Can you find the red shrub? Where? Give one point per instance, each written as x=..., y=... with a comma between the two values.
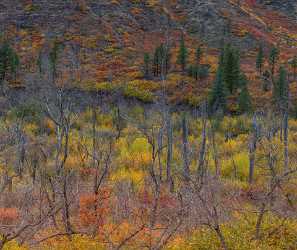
x=93, y=208
x=8, y=215
x=251, y=2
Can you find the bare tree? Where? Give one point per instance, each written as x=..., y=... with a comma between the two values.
x=252, y=147
x=274, y=192
x=59, y=110
x=185, y=153
x=202, y=151
x=169, y=130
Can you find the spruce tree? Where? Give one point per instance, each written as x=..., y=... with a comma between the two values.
x=294, y=66
x=9, y=62
x=217, y=98
x=193, y=71
x=199, y=54
x=161, y=61
x=244, y=98
x=266, y=80
x=161, y=58
x=39, y=62
x=3, y=61
x=231, y=68
x=281, y=88
x=167, y=56
x=156, y=60
x=14, y=63
x=281, y=97
x=273, y=59
x=53, y=58
x=182, y=54
x=260, y=59
x=146, y=65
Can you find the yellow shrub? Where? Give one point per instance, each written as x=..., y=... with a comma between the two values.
x=239, y=235
x=105, y=86
x=136, y=177
x=236, y=166
x=194, y=100
x=77, y=242
x=235, y=125
x=31, y=128
x=141, y=89
x=134, y=154
x=13, y=245
x=231, y=146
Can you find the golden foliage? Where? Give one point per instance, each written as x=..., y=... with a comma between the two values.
x=76, y=242
x=239, y=235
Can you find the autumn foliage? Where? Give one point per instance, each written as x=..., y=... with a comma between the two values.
x=93, y=208
x=8, y=215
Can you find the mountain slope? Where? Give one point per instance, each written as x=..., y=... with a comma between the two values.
x=105, y=40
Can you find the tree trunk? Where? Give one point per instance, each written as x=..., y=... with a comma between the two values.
x=169, y=151
x=286, y=154
x=94, y=118
x=252, y=148
x=201, y=159
x=260, y=220
x=66, y=212
x=160, y=146
x=185, y=148
x=221, y=238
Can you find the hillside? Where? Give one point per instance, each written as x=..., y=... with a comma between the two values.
x=104, y=41
x=107, y=39
x=148, y=124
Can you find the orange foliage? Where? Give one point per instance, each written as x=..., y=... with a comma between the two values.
x=93, y=208
x=87, y=172
x=136, y=11
x=8, y=215
x=166, y=200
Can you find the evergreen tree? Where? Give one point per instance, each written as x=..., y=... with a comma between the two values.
x=281, y=89
x=161, y=61
x=294, y=66
x=14, y=63
x=182, y=54
x=167, y=56
x=273, y=59
x=53, y=57
x=161, y=58
x=4, y=60
x=198, y=72
x=295, y=111
x=244, y=101
x=231, y=68
x=9, y=62
x=244, y=98
x=193, y=71
x=266, y=80
x=39, y=62
x=217, y=98
x=260, y=60
x=199, y=54
x=156, y=61
x=146, y=65
x=229, y=77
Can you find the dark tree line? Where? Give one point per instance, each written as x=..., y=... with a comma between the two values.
x=159, y=63
x=9, y=63
x=228, y=81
